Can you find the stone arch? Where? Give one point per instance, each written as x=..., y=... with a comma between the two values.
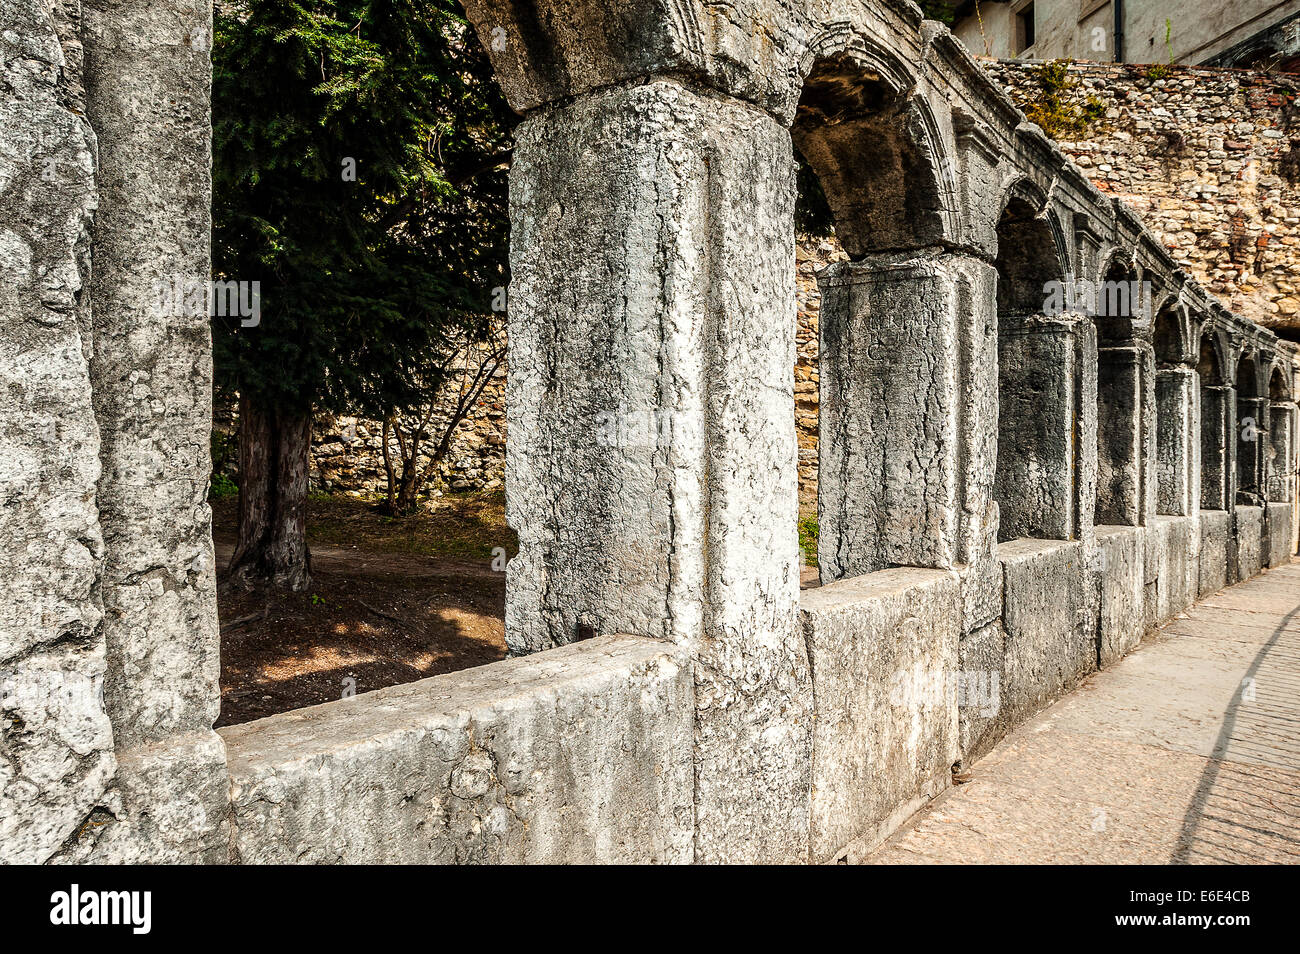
x=1279, y=388
x=875, y=146
x=1115, y=306
x=892, y=317
x=1281, y=431
x=1211, y=361
x=1030, y=251
x=1169, y=334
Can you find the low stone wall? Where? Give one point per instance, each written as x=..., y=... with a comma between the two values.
x=584, y=753
x=580, y=755
x=881, y=648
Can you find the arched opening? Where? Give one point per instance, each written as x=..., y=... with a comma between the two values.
x=1175, y=406
x=1252, y=424
x=888, y=346
x=1281, y=430
x=1121, y=369
x=1037, y=410
x=1216, y=404
x=865, y=143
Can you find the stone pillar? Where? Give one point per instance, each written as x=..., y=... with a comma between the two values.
x=1121, y=448
x=1037, y=462
x=908, y=413
x=1216, y=405
x=56, y=744
x=1279, y=451
x=652, y=455
x=1175, y=430
x=148, y=77
x=1251, y=439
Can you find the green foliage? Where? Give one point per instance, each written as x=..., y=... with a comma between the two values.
x=944, y=11
x=222, y=487
x=364, y=283
x=1055, y=108
x=1159, y=71
x=808, y=531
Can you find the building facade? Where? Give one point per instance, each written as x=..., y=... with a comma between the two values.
x=1260, y=34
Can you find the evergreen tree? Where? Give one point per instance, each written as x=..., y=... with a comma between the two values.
x=359, y=148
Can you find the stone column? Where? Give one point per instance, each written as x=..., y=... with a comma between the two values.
x=148, y=77
x=1252, y=436
x=1037, y=465
x=1279, y=451
x=1216, y=404
x=56, y=744
x=908, y=413
x=1121, y=448
x=1175, y=429
x=652, y=454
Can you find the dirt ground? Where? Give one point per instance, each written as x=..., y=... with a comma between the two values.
x=391, y=601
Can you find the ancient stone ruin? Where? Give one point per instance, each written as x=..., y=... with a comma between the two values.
x=1011, y=495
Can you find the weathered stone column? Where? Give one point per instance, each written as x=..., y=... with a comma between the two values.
x=1175, y=433
x=56, y=744
x=148, y=77
x=1121, y=457
x=652, y=455
x=1252, y=435
x=1038, y=445
x=1216, y=411
x=1280, y=470
x=908, y=411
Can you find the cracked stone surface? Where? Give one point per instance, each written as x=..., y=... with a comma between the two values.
x=579, y=755
x=56, y=747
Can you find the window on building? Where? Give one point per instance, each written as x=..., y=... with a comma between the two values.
x=1024, y=28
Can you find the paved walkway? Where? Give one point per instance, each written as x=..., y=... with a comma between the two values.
x=1188, y=750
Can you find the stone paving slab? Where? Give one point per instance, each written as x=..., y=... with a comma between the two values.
x=1186, y=751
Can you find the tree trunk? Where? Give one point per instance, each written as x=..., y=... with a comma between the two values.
x=274, y=453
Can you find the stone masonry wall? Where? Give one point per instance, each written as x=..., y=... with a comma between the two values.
x=1210, y=158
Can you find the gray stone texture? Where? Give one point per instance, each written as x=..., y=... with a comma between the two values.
x=148, y=77
x=578, y=755
x=1123, y=598
x=1281, y=534
x=895, y=325
x=56, y=744
x=1037, y=447
x=1050, y=626
x=884, y=655
x=1250, y=536
x=652, y=466
x=1175, y=403
x=1217, y=549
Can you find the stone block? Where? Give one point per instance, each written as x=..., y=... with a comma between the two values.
x=1250, y=533
x=1216, y=543
x=1177, y=547
x=1281, y=541
x=1050, y=625
x=578, y=755
x=1122, y=616
x=884, y=654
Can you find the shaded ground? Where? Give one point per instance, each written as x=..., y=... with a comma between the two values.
x=1186, y=751
x=391, y=601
